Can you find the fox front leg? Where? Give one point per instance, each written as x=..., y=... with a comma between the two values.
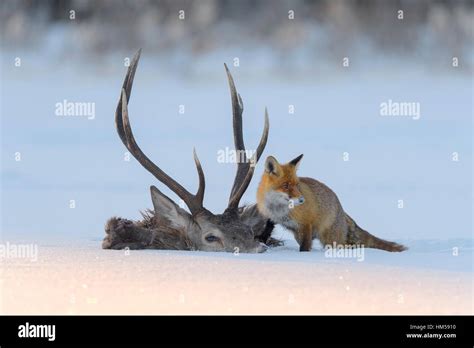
x=305, y=238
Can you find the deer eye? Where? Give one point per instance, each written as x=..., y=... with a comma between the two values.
x=212, y=239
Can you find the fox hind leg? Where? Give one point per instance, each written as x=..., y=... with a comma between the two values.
x=337, y=233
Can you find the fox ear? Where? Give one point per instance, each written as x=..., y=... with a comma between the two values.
x=296, y=162
x=272, y=166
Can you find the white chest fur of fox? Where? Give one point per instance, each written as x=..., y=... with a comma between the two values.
x=277, y=208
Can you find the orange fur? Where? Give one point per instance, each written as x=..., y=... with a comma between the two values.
x=320, y=216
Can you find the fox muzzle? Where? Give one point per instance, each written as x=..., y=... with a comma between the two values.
x=296, y=201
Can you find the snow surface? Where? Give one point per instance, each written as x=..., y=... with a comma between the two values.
x=391, y=159
x=83, y=279
x=72, y=158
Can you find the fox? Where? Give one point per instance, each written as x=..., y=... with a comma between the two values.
x=310, y=209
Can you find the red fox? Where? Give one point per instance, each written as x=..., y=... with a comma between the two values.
x=310, y=209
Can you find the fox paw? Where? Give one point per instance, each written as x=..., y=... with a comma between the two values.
x=120, y=235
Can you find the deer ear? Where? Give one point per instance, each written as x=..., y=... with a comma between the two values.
x=166, y=208
x=296, y=162
x=272, y=166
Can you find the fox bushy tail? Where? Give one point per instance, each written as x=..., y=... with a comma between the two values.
x=359, y=236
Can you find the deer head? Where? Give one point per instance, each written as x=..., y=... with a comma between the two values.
x=170, y=227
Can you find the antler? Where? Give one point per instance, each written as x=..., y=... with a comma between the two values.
x=122, y=122
x=245, y=168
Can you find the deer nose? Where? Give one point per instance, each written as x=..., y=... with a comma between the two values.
x=262, y=248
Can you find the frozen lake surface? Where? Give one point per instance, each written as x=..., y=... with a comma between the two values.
x=83, y=279
x=65, y=159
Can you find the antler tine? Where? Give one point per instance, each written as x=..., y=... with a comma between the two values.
x=194, y=202
x=127, y=86
x=244, y=168
x=264, y=138
x=237, y=110
x=202, y=180
x=235, y=198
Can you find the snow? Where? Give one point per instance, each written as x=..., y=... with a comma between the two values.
x=84, y=279
x=391, y=159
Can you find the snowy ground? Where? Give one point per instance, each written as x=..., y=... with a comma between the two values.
x=73, y=158
x=66, y=159
x=83, y=279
